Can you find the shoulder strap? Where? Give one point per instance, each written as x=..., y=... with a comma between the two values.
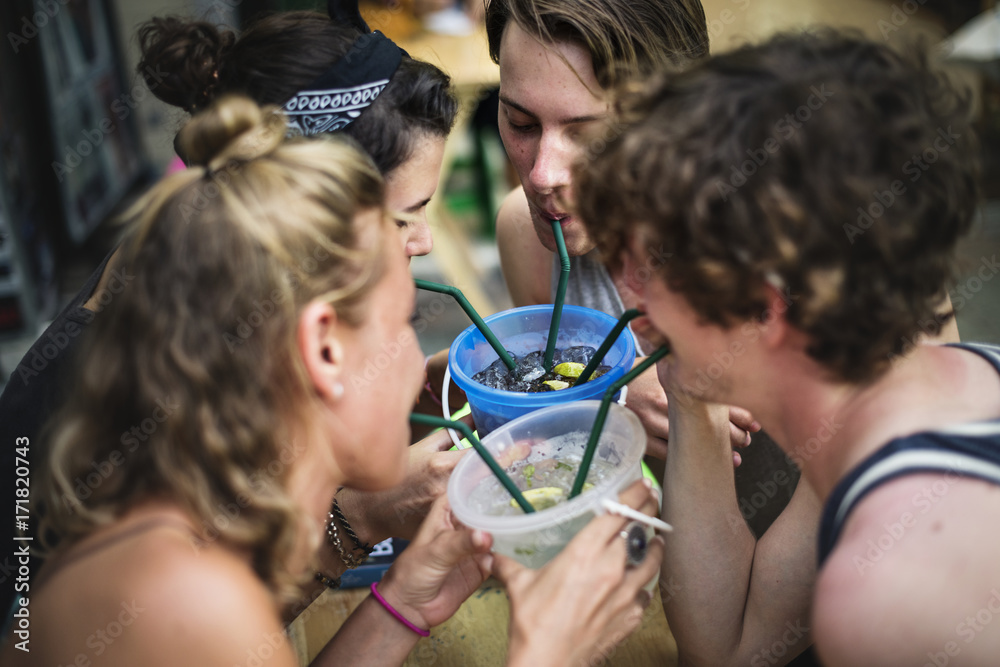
x=968, y=450
x=990, y=353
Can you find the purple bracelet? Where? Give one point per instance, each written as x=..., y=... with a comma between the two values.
x=399, y=617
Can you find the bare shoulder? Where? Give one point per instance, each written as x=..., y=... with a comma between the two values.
x=914, y=575
x=162, y=599
x=220, y=609
x=526, y=264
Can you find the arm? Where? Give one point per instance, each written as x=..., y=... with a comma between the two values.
x=435, y=368
x=431, y=578
x=729, y=598
x=526, y=264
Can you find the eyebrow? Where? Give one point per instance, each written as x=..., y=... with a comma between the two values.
x=575, y=119
x=416, y=207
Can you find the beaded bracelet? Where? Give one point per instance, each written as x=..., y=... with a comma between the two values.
x=399, y=617
x=359, y=545
x=351, y=560
x=329, y=582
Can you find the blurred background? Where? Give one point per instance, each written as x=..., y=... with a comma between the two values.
x=81, y=136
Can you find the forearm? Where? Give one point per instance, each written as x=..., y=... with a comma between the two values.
x=707, y=567
x=370, y=636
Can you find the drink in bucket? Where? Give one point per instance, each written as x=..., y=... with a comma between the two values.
x=524, y=331
x=541, y=452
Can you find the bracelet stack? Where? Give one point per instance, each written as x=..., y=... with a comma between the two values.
x=351, y=559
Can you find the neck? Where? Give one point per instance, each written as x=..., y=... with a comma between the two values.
x=314, y=475
x=824, y=426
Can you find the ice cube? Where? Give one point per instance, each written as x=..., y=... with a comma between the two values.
x=493, y=376
x=580, y=354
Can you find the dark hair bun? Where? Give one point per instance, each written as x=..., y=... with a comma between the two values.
x=234, y=128
x=181, y=60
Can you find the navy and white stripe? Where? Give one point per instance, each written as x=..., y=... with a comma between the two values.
x=964, y=450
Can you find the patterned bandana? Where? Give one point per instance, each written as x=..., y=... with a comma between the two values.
x=339, y=95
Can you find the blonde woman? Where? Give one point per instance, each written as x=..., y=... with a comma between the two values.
x=200, y=533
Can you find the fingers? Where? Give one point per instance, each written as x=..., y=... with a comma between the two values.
x=448, y=544
x=641, y=574
x=505, y=569
x=743, y=419
x=440, y=441
x=738, y=437
x=656, y=447
x=604, y=528
x=637, y=494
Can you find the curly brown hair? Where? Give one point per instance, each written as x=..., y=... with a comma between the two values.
x=189, y=374
x=625, y=38
x=828, y=165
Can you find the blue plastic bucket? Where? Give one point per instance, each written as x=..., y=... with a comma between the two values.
x=525, y=330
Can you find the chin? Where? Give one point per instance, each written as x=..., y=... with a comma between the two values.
x=576, y=240
x=381, y=479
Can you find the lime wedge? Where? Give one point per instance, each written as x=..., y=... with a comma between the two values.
x=556, y=384
x=569, y=369
x=541, y=499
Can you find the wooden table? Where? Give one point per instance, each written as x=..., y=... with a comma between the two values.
x=476, y=636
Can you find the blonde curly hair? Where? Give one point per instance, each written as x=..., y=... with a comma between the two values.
x=189, y=374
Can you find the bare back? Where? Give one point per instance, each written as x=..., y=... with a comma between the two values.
x=144, y=591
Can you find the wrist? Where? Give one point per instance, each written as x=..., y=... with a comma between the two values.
x=520, y=653
x=355, y=508
x=690, y=410
x=391, y=592
x=342, y=537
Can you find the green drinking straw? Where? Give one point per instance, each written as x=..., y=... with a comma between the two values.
x=473, y=315
x=598, y=357
x=550, y=346
x=508, y=483
x=602, y=415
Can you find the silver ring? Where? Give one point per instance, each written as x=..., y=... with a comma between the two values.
x=636, y=543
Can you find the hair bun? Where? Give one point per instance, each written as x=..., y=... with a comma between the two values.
x=234, y=128
x=181, y=60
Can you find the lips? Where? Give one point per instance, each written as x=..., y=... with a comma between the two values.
x=564, y=219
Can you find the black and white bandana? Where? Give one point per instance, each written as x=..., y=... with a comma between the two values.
x=339, y=95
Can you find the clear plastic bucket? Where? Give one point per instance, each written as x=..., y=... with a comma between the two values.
x=525, y=330
x=534, y=539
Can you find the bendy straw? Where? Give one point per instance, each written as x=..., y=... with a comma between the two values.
x=598, y=357
x=602, y=415
x=508, y=483
x=550, y=346
x=473, y=315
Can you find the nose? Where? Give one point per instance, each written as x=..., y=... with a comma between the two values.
x=551, y=169
x=636, y=274
x=418, y=237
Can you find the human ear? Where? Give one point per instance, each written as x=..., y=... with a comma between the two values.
x=774, y=327
x=321, y=349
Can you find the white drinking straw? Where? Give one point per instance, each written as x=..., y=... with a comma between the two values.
x=629, y=513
